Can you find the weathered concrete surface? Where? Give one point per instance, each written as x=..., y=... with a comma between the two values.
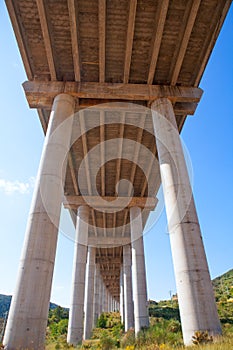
x=28, y=314
x=128, y=294
x=75, y=326
x=141, y=318
x=122, y=309
x=196, y=299
x=88, y=307
x=96, y=309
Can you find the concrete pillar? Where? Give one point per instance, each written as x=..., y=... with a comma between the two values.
x=122, y=312
x=105, y=299
x=141, y=318
x=75, y=326
x=100, y=297
x=28, y=314
x=109, y=302
x=194, y=287
x=107, y=296
x=88, y=307
x=96, y=295
x=128, y=295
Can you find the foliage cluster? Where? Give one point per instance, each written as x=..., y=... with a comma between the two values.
x=223, y=287
x=109, y=330
x=57, y=327
x=164, y=309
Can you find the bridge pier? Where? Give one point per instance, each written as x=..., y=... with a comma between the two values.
x=195, y=292
x=28, y=314
x=122, y=309
x=141, y=318
x=101, y=297
x=96, y=310
x=75, y=326
x=127, y=282
x=88, y=306
x=109, y=302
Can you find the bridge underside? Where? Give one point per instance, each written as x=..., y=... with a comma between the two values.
x=101, y=74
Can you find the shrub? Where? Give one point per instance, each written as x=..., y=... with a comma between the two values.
x=174, y=326
x=102, y=321
x=128, y=339
x=106, y=341
x=201, y=337
x=161, y=332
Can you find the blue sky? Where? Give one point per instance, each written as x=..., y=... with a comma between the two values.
x=209, y=139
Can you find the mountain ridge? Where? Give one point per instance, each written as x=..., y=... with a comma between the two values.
x=223, y=287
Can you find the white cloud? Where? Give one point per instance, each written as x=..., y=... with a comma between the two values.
x=12, y=187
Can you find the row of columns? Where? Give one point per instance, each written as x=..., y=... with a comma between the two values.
x=84, y=314
x=28, y=314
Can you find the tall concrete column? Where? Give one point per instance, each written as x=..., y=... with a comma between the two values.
x=105, y=299
x=128, y=295
x=100, y=297
x=88, y=307
x=107, y=296
x=109, y=302
x=28, y=314
x=96, y=295
x=141, y=318
x=122, y=311
x=75, y=326
x=115, y=306
x=195, y=292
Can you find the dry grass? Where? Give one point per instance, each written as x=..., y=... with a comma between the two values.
x=224, y=344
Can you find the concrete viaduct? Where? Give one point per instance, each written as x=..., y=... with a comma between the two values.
x=113, y=82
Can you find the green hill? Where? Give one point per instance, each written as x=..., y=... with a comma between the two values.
x=223, y=286
x=5, y=301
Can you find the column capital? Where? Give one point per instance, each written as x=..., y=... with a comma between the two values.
x=66, y=98
x=82, y=225
x=83, y=212
x=156, y=103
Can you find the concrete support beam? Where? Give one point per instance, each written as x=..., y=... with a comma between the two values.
x=108, y=260
x=195, y=292
x=88, y=307
x=122, y=310
x=107, y=242
x=128, y=295
x=107, y=203
x=40, y=93
x=75, y=326
x=141, y=318
x=28, y=314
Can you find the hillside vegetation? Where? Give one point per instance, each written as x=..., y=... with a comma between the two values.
x=164, y=331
